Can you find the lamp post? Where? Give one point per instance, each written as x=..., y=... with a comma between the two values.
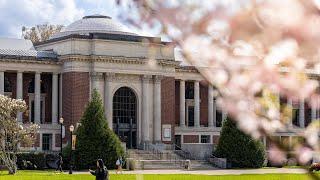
x=71, y=131
x=61, y=124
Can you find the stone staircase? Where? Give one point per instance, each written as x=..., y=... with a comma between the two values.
x=166, y=159
x=202, y=165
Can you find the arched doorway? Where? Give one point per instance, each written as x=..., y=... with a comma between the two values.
x=125, y=116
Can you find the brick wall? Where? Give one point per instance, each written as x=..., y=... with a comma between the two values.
x=168, y=103
x=75, y=93
x=190, y=138
x=203, y=104
x=215, y=139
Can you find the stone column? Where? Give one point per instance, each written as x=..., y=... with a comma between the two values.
x=289, y=103
x=196, y=104
x=55, y=97
x=37, y=98
x=210, y=105
x=214, y=112
x=301, y=114
x=2, y=82
x=95, y=81
x=182, y=103
x=19, y=92
x=157, y=110
x=145, y=109
x=60, y=95
x=108, y=98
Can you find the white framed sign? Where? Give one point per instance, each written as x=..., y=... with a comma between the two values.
x=166, y=132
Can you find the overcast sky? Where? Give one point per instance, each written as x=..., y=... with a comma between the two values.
x=17, y=13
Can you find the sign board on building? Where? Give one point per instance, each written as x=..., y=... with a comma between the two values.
x=166, y=132
x=74, y=138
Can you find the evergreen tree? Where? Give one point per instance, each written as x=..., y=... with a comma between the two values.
x=94, y=138
x=241, y=150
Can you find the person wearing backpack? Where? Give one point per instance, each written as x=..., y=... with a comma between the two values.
x=59, y=163
x=119, y=165
x=101, y=172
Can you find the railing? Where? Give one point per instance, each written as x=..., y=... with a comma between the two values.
x=218, y=162
x=156, y=151
x=160, y=154
x=182, y=153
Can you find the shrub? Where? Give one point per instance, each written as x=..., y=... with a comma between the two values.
x=239, y=149
x=31, y=161
x=94, y=138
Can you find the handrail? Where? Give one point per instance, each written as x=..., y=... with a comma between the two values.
x=160, y=153
x=183, y=153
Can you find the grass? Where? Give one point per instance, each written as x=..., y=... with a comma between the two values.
x=47, y=175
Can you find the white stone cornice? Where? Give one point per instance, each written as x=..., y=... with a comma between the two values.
x=25, y=66
x=30, y=61
x=115, y=59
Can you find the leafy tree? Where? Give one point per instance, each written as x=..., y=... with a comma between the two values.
x=94, y=138
x=12, y=133
x=238, y=148
x=40, y=32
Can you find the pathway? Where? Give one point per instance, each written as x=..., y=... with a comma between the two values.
x=216, y=172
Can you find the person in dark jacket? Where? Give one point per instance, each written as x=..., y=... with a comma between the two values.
x=59, y=163
x=101, y=172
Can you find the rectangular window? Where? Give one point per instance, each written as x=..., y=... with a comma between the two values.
x=190, y=116
x=205, y=139
x=219, y=118
x=32, y=112
x=41, y=112
x=295, y=116
x=47, y=142
x=219, y=115
x=189, y=91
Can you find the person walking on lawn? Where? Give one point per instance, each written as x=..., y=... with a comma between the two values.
x=119, y=165
x=59, y=163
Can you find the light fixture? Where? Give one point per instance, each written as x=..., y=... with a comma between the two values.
x=71, y=128
x=61, y=120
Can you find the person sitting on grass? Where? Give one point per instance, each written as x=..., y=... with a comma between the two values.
x=101, y=172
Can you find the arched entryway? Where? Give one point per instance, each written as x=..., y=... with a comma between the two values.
x=125, y=116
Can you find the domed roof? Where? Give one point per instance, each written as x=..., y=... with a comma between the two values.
x=93, y=24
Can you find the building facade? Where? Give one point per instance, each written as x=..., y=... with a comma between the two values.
x=147, y=100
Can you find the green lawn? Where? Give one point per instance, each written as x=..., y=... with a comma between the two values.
x=37, y=175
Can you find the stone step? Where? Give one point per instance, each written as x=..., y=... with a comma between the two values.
x=203, y=165
x=159, y=164
x=149, y=155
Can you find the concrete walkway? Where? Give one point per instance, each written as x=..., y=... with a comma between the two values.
x=216, y=172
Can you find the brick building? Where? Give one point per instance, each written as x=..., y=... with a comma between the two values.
x=146, y=101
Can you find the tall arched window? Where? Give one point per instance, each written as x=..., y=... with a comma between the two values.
x=124, y=116
x=124, y=106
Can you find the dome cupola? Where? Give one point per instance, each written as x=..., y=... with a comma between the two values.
x=94, y=24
